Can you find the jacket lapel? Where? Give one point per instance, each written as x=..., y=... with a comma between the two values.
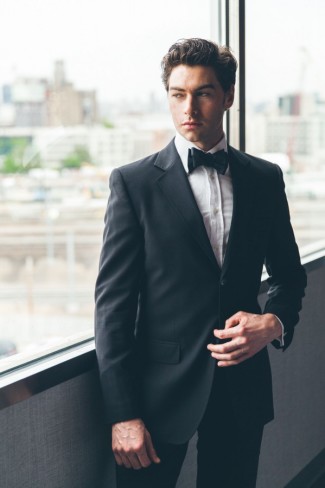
x=243, y=198
x=176, y=189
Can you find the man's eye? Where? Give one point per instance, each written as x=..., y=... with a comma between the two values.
x=203, y=94
x=177, y=95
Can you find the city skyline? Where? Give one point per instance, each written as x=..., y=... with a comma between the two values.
x=94, y=36
x=115, y=48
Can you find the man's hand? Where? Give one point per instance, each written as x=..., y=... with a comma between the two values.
x=248, y=334
x=132, y=445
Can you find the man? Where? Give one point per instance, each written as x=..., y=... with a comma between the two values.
x=181, y=340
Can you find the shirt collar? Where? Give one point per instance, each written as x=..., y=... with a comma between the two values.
x=183, y=145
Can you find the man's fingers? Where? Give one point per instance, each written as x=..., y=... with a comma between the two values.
x=237, y=357
x=134, y=460
x=150, y=449
x=226, y=333
x=129, y=444
x=230, y=353
x=129, y=459
x=132, y=445
x=125, y=461
x=248, y=334
x=225, y=364
x=118, y=459
x=234, y=355
x=227, y=347
x=144, y=460
x=144, y=457
x=232, y=322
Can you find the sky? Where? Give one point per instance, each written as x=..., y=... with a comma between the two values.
x=285, y=47
x=115, y=46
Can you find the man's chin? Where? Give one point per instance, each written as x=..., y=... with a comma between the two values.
x=190, y=136
x=194, y=139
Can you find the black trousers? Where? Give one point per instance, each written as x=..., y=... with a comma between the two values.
x=227, y=453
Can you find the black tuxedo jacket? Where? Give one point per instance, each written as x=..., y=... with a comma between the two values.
x=160, y=292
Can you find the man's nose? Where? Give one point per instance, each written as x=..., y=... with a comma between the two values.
x=190, y=108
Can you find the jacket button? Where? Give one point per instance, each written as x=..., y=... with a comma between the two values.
x=222, y=282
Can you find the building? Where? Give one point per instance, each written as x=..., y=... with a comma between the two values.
x=29, y=99
x=39, y=102
x=294, y=128
x=67, y=106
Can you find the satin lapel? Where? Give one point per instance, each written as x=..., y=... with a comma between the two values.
x=175, y=187
x=243, y=195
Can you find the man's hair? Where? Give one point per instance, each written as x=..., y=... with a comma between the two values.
x=194, y=52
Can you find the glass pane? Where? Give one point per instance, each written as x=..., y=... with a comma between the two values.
x=286, y=103
x=80, y=93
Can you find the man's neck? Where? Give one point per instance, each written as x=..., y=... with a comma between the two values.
x=181, y=142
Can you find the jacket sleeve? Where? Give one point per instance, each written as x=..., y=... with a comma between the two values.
x=116, y=297
x=287, y=277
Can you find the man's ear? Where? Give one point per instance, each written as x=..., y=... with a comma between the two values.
x=229, y=97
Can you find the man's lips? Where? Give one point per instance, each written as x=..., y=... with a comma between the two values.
x=191, y=125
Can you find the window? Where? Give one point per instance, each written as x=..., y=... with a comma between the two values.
x=285, y=103
x=80, y=93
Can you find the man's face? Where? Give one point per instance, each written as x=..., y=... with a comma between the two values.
x=197, y=103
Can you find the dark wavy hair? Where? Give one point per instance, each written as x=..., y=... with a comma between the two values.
x=195, y=51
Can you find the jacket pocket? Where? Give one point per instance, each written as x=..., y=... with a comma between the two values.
x=163, y=351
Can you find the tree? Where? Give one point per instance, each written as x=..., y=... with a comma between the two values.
x=107, y=124
x=15, y=152
x=78, y=158
x=10, y=165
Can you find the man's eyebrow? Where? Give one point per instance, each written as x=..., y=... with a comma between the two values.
x=199, y=88
x=176, y=88
x=204, y=87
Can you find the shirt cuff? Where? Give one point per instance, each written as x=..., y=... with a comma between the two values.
x=281, y=337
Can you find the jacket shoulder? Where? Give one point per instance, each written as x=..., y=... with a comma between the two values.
x=140, y=166
x=255, y=163
x=142, y=173
x=136, y=175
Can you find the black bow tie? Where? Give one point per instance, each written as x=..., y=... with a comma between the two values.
x=218, y=160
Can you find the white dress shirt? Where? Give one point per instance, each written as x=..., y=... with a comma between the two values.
x=213, y=193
